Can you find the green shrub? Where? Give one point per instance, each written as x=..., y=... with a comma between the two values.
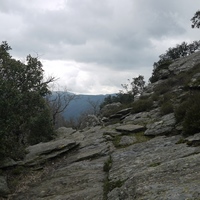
x=142, y=105
x=156, y=75
x=163, y=88
x=191, y=123
x=166, y=108
x=180, y=111
x=107, y=165
x=109, y=186
x=189, y=114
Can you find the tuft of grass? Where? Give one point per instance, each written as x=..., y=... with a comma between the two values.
x=109, y=186
x=166, y=108
x=18, y=170
x=140, y=137
x=107, y=165
x=154, y=164
x=181, y=141
x=142, y=105
x=116, y=141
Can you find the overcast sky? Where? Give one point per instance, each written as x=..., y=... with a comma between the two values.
x=93, y=46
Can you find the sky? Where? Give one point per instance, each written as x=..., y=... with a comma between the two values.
x=94, y=46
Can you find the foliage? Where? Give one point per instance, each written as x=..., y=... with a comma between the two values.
x=191, y=123
x=136, y=87
x=196, y=20
x=188, y=112
x=110, y=185
x=58, y=102
x=140, y=137
x=128, y=93
x=107, y=165
x=22, y=89
x=166, y=108
x=172, y=54
x=142, y=105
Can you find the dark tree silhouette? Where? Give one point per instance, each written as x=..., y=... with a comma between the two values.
x=196, y=20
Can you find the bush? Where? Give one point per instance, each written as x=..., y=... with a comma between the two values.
x=191, y=123
x=180, y=111
x=142, y=105
x=189, y=114
x=166, y=108
x=22, y=105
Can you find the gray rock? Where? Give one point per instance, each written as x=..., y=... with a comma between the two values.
x=164, y=126
x=195, y=137
x=89, y=166
x=157, y=169
x=130, y=128
x=8, y=162
x=41, y=152
x=193, y=140
x=139, y=118
x=195, y=81
x=109, y=107
x=64, y=132
x=79, y=180
x=4, y=190
x=127, y=140
x=185, y=64
x=164, y=73
x=124, y=111
x=112, y=133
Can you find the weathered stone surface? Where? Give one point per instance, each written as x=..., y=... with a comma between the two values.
x=80, y=180
x=185, y=64
x=112, y=106
x=195, y=81
x=157, y=169
x=41, y=152
x=139, y=118
x=131, y=128
x=112, y=133
x=8, y=162
x=110, y=162
x=4, y=190
x=164, y=126
x=124, y=111
x=127, y=140
x=64, y=132
x=164, y=73
x=193, y=140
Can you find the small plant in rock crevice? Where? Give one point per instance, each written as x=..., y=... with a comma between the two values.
x=108, y=164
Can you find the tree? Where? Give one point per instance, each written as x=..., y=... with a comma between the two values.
x=58, y=102
x=172, y=54
x=196, y=20
x=22, y=103
x=134, y=88
x=128, y=93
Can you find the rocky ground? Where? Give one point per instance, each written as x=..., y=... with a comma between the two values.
x=143, y=157
x=97, y=166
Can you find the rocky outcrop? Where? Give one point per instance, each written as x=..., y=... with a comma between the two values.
x=165, y=125
x=163, y=167
x=142, y=156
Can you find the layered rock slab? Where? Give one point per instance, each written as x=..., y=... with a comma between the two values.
x=157, y=169
x=80, y=180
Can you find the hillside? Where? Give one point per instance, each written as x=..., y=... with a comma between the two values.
x=81, y=105
x=149, y=151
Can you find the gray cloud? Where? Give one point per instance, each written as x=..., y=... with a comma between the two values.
x=108, y=34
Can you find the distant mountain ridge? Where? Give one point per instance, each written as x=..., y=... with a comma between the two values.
x=81, y=104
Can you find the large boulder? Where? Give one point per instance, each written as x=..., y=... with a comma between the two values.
x=165, y=125
x=42, y=152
